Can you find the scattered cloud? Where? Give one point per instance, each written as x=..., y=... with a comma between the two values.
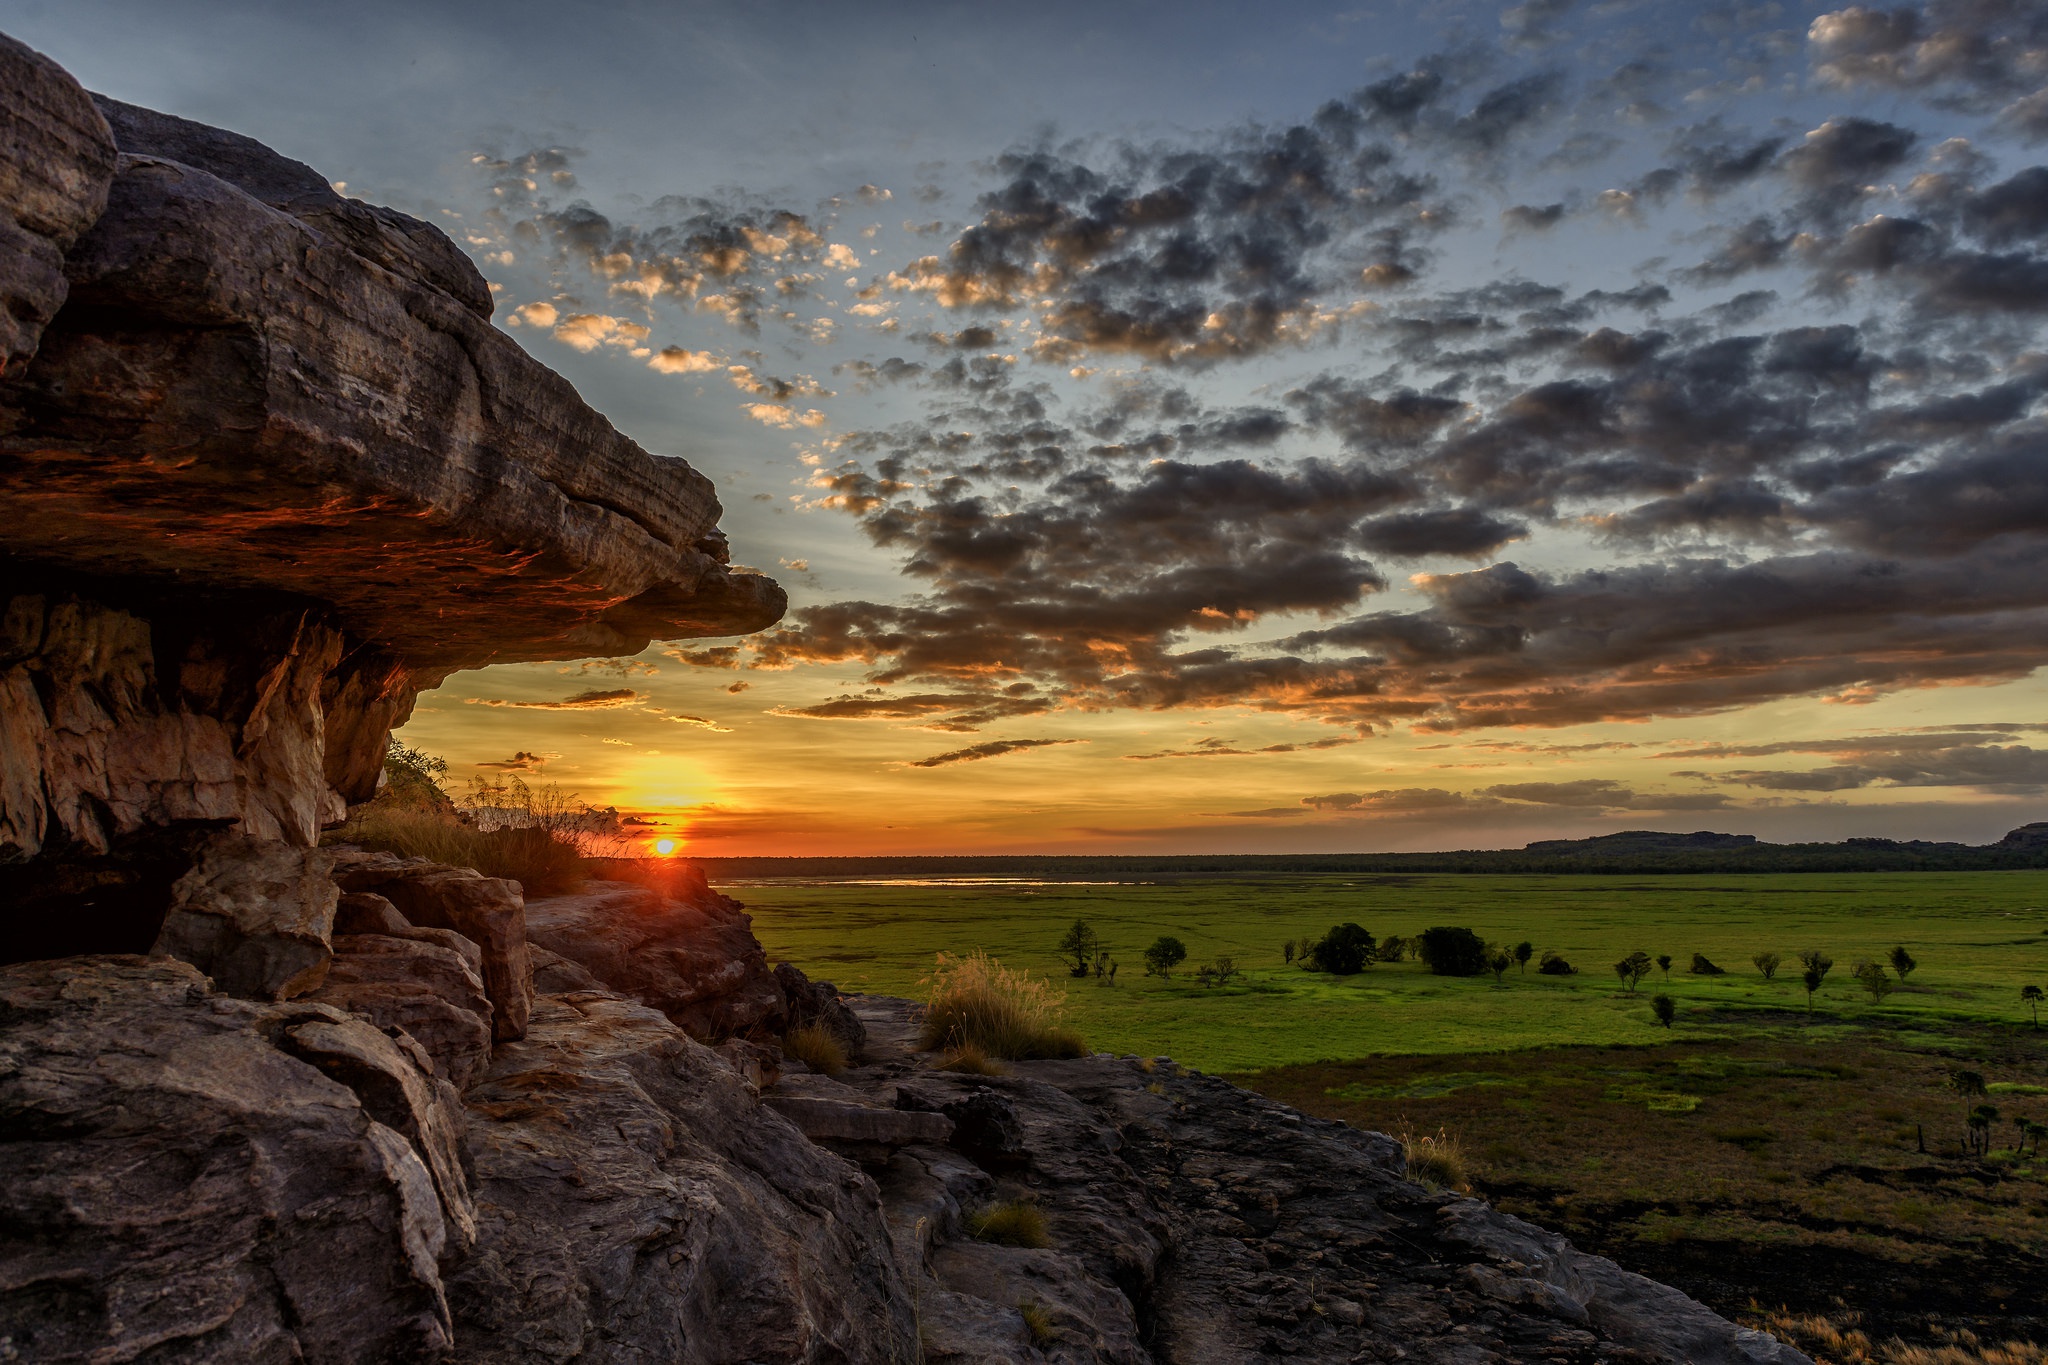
x=995, y=748
x=596, y=700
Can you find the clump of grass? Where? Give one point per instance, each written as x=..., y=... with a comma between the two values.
x=1038, y=1323
x=1435, y=1159
x=817, y=1047
x=975, y=1000
x=1839, y=1341
x=970, y=1060
x=1012, y=1224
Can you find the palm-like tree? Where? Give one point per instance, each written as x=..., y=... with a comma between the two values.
x=2031, y=997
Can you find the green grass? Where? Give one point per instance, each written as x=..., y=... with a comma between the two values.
x=1979, y=936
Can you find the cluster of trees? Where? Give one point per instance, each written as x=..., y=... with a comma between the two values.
x=1980, y=1117
x=1348, y=949
x=1084, y=953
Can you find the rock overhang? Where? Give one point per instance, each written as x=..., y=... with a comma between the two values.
x=248, y=383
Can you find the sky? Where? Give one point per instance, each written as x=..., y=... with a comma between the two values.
x=1246, y=428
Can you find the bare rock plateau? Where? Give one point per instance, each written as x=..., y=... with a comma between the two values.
x=267, y=470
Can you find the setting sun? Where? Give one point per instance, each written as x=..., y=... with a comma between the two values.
x=664, y=846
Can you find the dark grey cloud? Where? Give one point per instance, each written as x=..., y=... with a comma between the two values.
x=1844, y=503
x=1973, y=54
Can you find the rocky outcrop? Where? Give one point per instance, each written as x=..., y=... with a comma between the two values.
x=267, y=469
x=193, y=1177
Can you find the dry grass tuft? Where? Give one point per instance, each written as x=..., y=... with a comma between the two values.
x=1014, y=1224
x=1038, y=1323
x=977, y=1001
x=970, y=1060
x=1436, y=1159
x=817, y=1047
x=542, y=864
x=1839, y=1341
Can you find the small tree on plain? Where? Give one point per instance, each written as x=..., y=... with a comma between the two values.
x=2030, y=996
x=1873, y=978
x=1811, y=980
x=1393, y=948
x=1287, y=952
x=1206, y=973
x=1768, y=964
x=1225, y=969
x=1101, y=964
x=1633, y=968
x=1498, y=960
x=1664, y=965
x=1079, y=946
x=1166, y=953
x=1553, y=964
x=1902, y=961
x=1665, y=1008
x=1814, y=960
x=1523, y=952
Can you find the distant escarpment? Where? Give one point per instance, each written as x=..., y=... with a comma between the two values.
x=266, y=471
x=1632, y=852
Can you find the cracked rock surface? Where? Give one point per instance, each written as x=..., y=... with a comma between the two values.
x=1192, y=1222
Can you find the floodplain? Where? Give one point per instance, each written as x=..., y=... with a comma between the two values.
x=1785, y=1160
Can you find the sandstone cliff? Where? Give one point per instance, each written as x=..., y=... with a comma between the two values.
x=266, y=470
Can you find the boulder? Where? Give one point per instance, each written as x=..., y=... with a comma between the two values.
x=696, y=961
x=413, y=982
x=255, y=916
x=196, y=1177
x=635, y=1202
x=488, y=911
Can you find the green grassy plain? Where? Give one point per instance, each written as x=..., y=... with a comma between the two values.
x=1979, y=936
